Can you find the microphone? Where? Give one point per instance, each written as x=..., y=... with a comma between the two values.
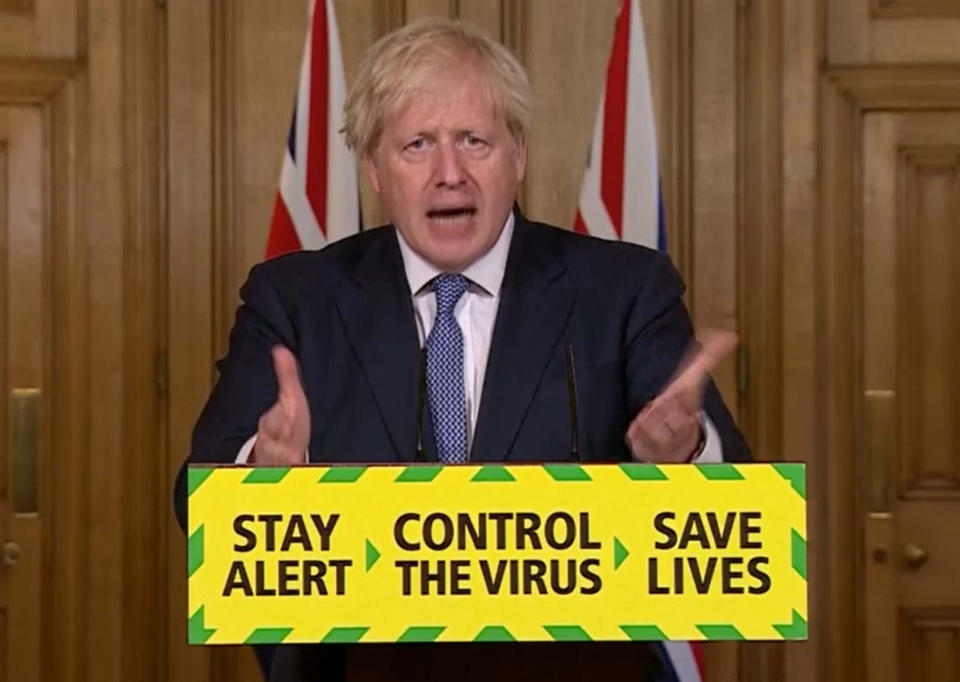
x=420, y=455
x=572, y=403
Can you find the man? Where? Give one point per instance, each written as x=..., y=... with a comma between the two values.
x=325, y=353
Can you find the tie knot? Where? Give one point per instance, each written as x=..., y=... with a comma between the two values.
x=449, y=289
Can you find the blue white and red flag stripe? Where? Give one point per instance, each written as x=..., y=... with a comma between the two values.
x=620, y=199
x=317, y=200
x=620, y=196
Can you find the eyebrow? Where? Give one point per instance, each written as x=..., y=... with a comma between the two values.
x=461, y=132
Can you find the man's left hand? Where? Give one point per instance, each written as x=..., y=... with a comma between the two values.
x=668, y=430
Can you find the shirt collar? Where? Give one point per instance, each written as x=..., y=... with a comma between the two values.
x=486, y=272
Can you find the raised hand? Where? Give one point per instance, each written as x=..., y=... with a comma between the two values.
x=668, y=428
x=284, y=430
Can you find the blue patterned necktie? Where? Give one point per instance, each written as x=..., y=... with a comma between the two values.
x=445, y=387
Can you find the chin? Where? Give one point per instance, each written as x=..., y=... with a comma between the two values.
x=450, y=263
x=453, y=254
x=452, y=259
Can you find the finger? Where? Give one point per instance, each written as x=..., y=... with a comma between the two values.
x=636, y=426
x=275, y=424
x=288, y=376
x=641, y=445
x=658, y=434
x=663, y=426
x=269, y=452
x=690, y=380
x=677, y=412
x=650, y=429
x=717, y=344
x=680, y=423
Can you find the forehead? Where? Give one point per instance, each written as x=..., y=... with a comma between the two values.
x=451, y=98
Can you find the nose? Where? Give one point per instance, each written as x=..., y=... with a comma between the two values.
x=448, y=166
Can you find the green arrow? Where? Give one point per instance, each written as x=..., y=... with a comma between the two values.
x=195, y=551
x=641, y=633
x=796, y=474
x=722, y=631
x=798, y=553
x=422, y=633
x=492, y=472
x=494, y=633
x=795, y=630
x=620, y=553
x=372, y=555
x=196, y=476
x=197, y=632
x=418, y=474
x=720, y=472
x=344, y=635
x=266, y=475
x=568, y=633
x=268, y=635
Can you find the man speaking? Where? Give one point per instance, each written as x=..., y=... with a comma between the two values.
x=458, y=332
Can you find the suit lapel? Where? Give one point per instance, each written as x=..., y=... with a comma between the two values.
x=378, y=315
x=534, y=309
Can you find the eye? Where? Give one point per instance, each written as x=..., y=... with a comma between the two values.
x=418, y=144
x=474, y=142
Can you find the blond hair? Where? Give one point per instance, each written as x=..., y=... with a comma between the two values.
x=398, y=64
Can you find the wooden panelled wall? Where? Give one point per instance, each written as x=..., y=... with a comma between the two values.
x=803, y=144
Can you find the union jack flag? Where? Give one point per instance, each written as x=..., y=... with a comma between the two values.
x=317, y=200
x=620, y=199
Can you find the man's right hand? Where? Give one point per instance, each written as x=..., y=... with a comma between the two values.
x=284, y=430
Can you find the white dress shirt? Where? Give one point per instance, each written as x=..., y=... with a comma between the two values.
x=476, y=312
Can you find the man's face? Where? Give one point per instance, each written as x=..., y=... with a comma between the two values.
x=447, y=170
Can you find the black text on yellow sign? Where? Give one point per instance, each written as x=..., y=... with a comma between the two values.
x=281, y=535
x=623, y=552
x=529, y=532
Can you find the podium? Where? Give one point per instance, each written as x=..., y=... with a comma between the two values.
x=479, y=572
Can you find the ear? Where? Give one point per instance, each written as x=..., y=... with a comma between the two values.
x=373, y=175
x=520, y=159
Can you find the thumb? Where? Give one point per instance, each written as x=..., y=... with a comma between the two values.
x=288, y=375
x=716, y=345
x=693, y=374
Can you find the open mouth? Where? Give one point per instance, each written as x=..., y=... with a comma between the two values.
x=452, y=213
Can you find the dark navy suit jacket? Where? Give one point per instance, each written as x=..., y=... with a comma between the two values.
x=346, y=313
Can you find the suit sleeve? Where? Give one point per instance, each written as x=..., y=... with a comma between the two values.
x=246, y=385
x=658, y=335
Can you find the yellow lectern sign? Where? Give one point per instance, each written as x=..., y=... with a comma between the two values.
x=497, y=553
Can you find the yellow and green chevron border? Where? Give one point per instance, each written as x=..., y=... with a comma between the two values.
x=218, y=494
x=199, y=634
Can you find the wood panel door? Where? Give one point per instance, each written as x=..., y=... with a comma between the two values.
x=890, y=381
x=911, y=394
x=24, y=529
x=42, y=376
